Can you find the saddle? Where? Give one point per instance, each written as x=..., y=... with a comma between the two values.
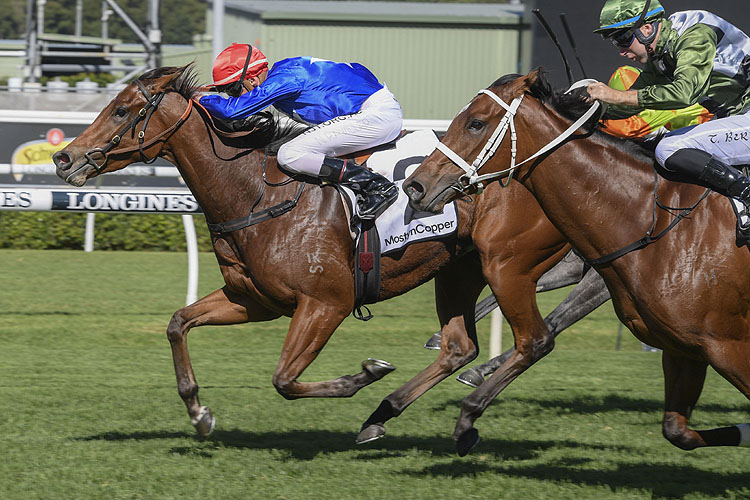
x=360, y=157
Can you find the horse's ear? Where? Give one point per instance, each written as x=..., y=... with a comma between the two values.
x=532, y=78
x=167, y=81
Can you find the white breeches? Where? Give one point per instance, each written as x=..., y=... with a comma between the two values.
x=728, y=139
x=379, y=121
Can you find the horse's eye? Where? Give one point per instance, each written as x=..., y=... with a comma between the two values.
x=475, y=125
x=120, y=112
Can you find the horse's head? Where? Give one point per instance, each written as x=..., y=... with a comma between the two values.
x=471, y=140
x=130, y=128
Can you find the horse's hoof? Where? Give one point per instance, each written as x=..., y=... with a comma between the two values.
x=471, y=377
x=204, y=423
x=467, y=441
x=377, y=367
x=370, y=433
x=434, y=342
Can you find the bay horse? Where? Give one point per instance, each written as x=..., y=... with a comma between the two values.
x=267, y=267
x=686, y=293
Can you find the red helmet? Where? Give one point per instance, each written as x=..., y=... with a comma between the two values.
x=230, y=62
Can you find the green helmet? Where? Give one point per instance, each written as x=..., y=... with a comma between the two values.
x=619, y=14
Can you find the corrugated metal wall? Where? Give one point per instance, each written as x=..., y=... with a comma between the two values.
x=432, y=71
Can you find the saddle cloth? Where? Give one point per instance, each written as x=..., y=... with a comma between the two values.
x=400, y=225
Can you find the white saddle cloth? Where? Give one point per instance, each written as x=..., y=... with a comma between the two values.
x=400, y=225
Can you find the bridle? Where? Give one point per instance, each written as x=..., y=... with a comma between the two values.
x=471, y=176
x=144, y=114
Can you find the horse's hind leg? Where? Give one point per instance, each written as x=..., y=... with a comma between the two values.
x=221, y=307
x=456, y=292
x=313, y=323
x=683, y=382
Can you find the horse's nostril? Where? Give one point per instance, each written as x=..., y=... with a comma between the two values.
x=414, y=190
x=61, y=159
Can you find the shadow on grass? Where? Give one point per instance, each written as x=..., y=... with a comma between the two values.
x=308, y=444
x=148, y=435
x=514, y=459
x=77, y=313
x=594, y=404
x=662, y=480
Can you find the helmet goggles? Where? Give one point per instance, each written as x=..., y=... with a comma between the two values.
x=622, y=38
x=623, y=33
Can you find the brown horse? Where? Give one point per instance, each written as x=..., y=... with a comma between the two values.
x=687, y=293
x=266, y=266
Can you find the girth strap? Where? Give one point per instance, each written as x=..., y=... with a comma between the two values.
x=366, y=272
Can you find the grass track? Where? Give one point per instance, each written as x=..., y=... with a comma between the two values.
x=92, y=411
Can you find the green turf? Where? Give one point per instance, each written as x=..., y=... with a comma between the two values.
x=91, y=409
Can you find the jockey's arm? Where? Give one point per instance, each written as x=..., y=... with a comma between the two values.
x=272, y=90
x=603, y=92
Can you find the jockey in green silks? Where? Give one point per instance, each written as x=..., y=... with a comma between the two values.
x=650, y=124
x=690, y=57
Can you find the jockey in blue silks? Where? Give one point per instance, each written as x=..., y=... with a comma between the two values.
x=348, y=108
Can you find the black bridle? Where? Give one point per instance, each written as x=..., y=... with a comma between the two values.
x=144, y=115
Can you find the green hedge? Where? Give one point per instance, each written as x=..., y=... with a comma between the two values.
x=44, y=230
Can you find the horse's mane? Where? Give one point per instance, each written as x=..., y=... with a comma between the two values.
x=573, y=105
x=186, y=84
x=269, y=131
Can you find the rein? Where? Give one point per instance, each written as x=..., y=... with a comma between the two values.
x=471, y=176
x=144, y=114
x=493, y=143
x=252, y=218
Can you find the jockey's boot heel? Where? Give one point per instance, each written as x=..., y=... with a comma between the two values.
x=374, y=192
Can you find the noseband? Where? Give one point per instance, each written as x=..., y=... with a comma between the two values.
x=471, y=177
x=144, y=114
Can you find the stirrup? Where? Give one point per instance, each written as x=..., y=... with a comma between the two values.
x=389, y=197
x=743, y=230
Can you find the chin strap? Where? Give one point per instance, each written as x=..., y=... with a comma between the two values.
x=648, y=40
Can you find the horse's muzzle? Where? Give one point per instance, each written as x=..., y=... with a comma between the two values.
x=69, y=170
x=424, y=198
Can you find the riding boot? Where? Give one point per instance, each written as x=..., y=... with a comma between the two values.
x=374, y=192
x=717, y=175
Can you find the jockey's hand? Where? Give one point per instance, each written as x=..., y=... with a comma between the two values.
x=599, y=91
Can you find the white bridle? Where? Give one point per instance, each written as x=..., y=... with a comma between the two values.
x=471, y=177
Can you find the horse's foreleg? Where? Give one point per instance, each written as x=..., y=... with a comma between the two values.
x=312, y=325
x=532, y=342
x=221, y=307
x=456, y=292
x=589, y=294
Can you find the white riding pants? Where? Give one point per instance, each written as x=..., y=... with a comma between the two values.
x=378, y=121
x=728, y=139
